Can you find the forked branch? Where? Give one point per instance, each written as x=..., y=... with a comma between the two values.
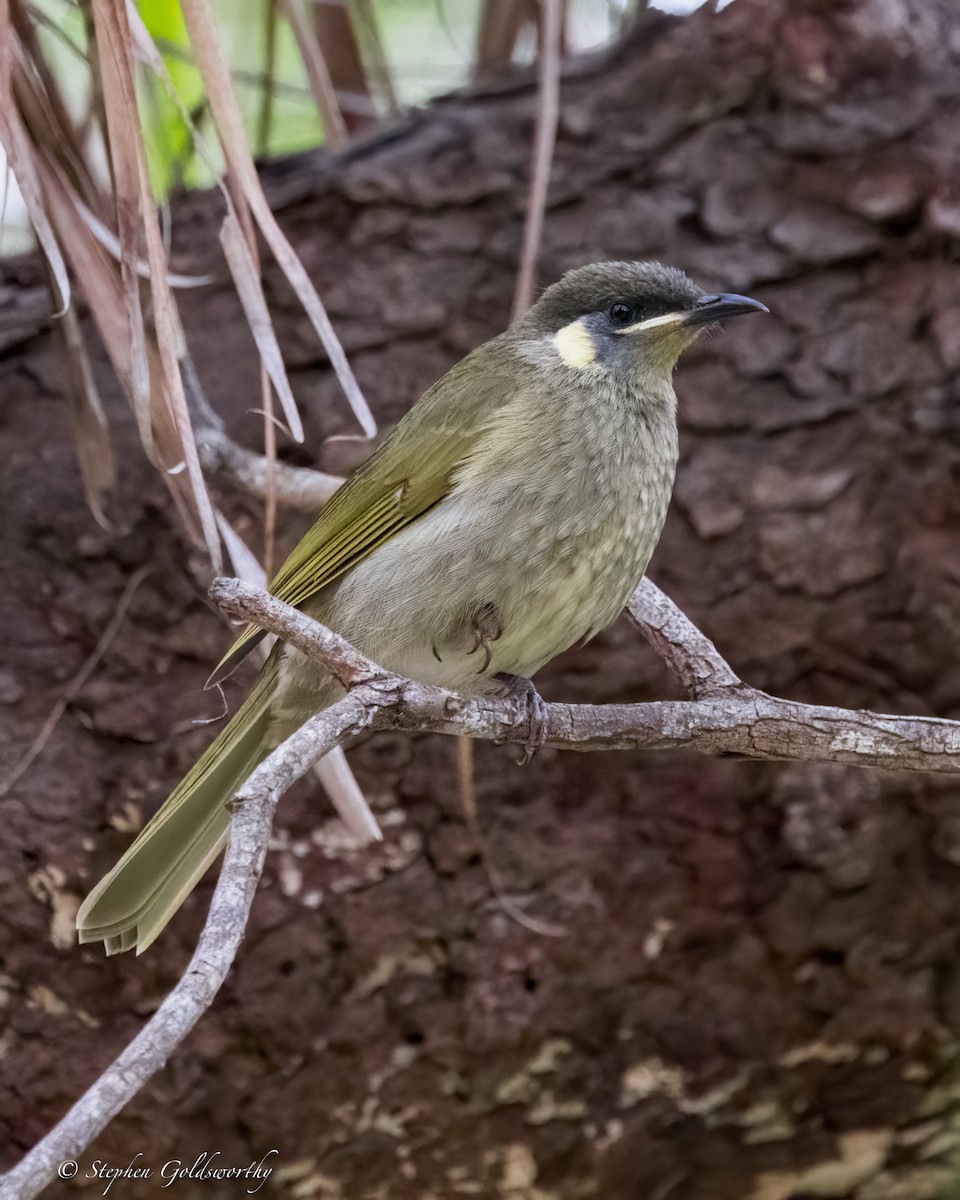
x=724, y=716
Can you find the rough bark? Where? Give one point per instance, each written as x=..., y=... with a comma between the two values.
x=759, y=976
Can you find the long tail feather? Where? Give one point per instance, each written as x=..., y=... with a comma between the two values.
x=132, y=904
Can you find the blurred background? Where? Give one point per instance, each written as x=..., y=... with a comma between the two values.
x=391, y=54
x=627, y=976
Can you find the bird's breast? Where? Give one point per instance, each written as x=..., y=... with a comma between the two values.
x=545, y=532
x=554, y=520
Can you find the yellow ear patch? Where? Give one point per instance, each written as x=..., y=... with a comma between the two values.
x=575, y=345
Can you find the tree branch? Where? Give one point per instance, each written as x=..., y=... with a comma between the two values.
x=725, y=717
x=300, y=488
x=212, y=959
x=731, y=719
x=689, y=654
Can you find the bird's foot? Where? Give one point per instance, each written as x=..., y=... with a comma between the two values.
x=532, y=710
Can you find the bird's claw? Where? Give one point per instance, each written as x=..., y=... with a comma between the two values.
x=482, y=643
x=532, y=710
x=486, y=629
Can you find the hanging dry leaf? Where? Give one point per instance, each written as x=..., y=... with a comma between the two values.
x=247, y=280
x=123, y=124
x=19, y=153
x=91, y=432
x=245, y=182
x=318, y=75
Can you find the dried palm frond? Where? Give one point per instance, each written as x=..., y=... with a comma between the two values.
x=99, y=229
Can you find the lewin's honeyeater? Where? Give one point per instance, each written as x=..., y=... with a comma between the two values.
x=510, y=514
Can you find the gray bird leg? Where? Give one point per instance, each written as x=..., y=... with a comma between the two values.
x=532, y=709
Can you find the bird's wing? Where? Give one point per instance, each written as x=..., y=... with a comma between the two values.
x=410, y=473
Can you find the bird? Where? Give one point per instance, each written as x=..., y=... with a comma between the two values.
x=509, y=515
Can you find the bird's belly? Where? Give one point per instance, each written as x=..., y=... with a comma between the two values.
x=540, y=577
x=537, y=584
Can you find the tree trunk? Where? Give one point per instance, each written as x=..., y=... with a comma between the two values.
x=756, y=992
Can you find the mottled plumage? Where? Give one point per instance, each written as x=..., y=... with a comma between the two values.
x=509, y=515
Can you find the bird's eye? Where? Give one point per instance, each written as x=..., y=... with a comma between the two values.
x=621, y=314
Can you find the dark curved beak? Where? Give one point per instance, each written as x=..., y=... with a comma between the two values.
x=721, y=306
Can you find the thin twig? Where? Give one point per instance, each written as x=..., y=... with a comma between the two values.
x=468, y=796
x=77, y=682
x=270, y=454
x=544, y=140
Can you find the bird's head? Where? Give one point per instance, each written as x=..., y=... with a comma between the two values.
x=633, y=316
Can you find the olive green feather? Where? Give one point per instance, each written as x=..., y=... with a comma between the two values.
x=405, y=478
x=132, y=904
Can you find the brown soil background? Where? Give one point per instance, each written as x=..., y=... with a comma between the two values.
x=759, y=971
